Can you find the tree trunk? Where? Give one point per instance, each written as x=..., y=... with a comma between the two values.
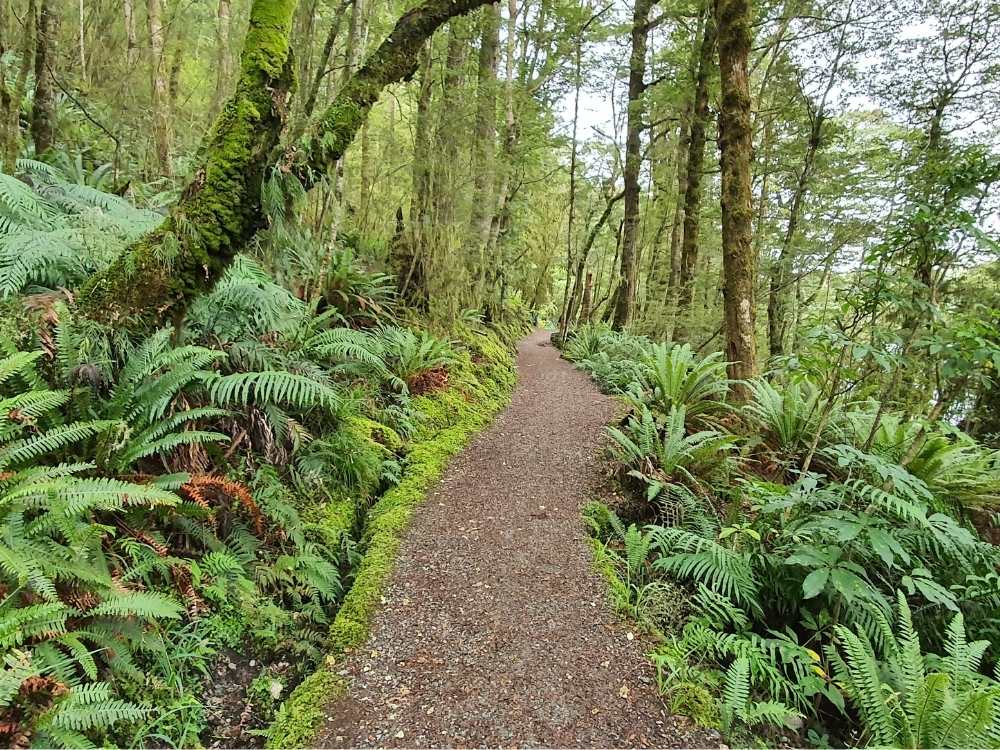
x=12, y=140
x=588, y=292
x=688, y=264
x=312, y=94
x=220, y=210
x=571, y=212
x=43, y=109
x=625, y=301
x=778, y=312
x=159, y=73
x=411, y=254
x=131, y=34
x=732, y=19
x=223, y=56
x=494, y=261
x=445, y=137
x=664, y=275
x=83, y=44
x=483, y=151
x=357, y=32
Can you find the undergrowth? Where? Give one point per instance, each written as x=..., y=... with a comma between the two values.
x=230, y=488
x=808, y=567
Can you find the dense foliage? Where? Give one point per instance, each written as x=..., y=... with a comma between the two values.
x=775, y=543
x=181, y=501
x=262, y=263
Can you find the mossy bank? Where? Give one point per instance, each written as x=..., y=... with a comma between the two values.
x=479, y=387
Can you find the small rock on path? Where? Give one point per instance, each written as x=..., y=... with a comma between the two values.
x=495, y=631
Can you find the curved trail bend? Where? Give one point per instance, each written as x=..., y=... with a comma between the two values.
x=494, y=629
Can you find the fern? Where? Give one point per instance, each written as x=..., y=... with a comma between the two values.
x=285, y=388
x=906, y=704
x=694, y=558
x=673, y=379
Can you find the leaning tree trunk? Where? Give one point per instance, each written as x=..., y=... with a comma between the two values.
x=43, y=108
x=220, y=210
x=732, y=18
x=625, y=300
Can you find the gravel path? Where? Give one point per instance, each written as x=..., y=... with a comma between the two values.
x=495, y=631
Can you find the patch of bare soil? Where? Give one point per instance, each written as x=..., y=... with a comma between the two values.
x=494, y=630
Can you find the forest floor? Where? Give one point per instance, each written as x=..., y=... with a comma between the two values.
x=494, y=629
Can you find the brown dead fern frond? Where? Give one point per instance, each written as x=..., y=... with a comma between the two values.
x=206, y=490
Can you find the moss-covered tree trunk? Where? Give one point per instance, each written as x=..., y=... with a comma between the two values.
x=732, y=18
x=220, y=210
x=695, y=169
x=483, y=157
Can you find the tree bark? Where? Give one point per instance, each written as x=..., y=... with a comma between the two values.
x=82, y=43
x=625, y=301
x=732, y=18
x=131, y=34
x=43, y=109
x=778, y=312
x=159, y=77
x=312, y=95
x=411, y=253
x=445, y=137
x=223, y=56
x=220, y=210
x=12, y=140
x=483, y=151
x=688, y=264
x=569, y=294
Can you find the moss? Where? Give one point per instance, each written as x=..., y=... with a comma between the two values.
x=297, y=718
x=219, y=210
x=603, y=564
x=446, y=421
x=334, y=518
x=597, y=516
x=695, y=701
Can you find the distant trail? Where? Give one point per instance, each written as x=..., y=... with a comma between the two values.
x=495, y=631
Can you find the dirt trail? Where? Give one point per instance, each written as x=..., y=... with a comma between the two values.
x=494, y=629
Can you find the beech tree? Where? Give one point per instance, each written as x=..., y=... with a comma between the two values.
x=732, y=18
x=628, y=282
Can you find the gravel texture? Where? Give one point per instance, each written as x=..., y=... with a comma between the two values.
x=494, y=630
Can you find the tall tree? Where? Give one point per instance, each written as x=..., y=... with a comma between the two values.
x=43, y=106
x=628, y=277
x=695, y=169
x=484, y=148
x=732, y=18
x=159, y=75
x=780, y=282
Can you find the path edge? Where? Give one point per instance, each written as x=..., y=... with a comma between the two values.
x=480, y=388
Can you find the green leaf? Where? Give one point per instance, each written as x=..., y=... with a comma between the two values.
x=815, y=582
